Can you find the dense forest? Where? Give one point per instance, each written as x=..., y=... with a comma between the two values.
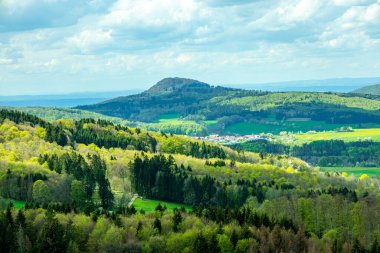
x=322, y=153
x=76, y=194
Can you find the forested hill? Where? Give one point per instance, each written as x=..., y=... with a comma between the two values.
x=170, y=95
x=194, y=100
x=371, y=89
x=170, y=85
x=105, y=134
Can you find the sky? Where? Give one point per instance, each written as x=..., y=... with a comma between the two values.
x=63, y=46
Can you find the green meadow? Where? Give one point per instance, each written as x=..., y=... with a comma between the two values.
x=355, y=171
x=18, y=204
x=356, y=135
x=169, y=116
x=149, y=205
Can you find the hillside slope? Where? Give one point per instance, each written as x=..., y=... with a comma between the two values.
x=75, y=194
x=371, y=89
x=170, y=95
x=216, y=108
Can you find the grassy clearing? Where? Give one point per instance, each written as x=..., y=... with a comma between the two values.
x=210, y=122
x=169, y=116
x=355, y=171
x=148, y=205
x=174, y=122
x=18, y=204
x=355, y=135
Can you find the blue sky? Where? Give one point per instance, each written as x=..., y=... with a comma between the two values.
x=61, y=46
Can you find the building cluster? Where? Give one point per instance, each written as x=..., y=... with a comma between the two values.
x=231, y=139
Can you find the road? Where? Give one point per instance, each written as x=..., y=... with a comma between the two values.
x=135, y=196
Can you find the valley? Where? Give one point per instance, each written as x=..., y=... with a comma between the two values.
x=185, y=157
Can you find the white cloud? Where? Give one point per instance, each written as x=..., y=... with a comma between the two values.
x=351, y=2
x=288, y=14
x=152, y=13
x=357, y=29
x=90, y=39
x=5, y=61
x=115, y=41
x=183, y=58
x=366, y=14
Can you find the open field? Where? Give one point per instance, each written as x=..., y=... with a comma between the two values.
x=18, y=204
x=210, y=122
x=169, y=116
x=148, y=205
x=356, y=171
x=356, y=135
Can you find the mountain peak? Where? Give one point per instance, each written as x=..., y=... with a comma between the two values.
x=170, y=84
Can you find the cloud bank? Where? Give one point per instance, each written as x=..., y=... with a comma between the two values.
x=72, y=45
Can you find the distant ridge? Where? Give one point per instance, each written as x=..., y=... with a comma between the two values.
x=371, y=90
x=343, y=85
x=63, y=100
x=217, y=108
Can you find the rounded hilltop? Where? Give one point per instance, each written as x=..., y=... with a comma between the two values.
x=171, y=84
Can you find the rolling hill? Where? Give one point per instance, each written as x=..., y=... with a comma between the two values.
x=343, y=85
x=237, y=111
x=371, y=89
x=170, y=95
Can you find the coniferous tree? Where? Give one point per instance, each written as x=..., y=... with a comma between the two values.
x=177, y=219
x=157, y=225
x=200, y=244
x=52, y=236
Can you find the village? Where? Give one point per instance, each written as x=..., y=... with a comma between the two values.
x=231, y=139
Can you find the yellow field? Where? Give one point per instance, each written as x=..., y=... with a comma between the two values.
x=355, y=135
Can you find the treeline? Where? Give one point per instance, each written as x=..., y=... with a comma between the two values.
x=18, y=233
x=340, y=153
x=213, y=229
x=159, y=177
x=329, y=113
x=181, y=145
x=87, y=131
x=19, y=186
x=88, y=177
x=322, y=153
x=218, y=163
x=54, y=133
x=82, y=183
x=206, y=151
x=104, y=137
x=104, y=133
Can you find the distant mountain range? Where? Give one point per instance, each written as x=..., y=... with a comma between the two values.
x=326, y=85
x=63, y=100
